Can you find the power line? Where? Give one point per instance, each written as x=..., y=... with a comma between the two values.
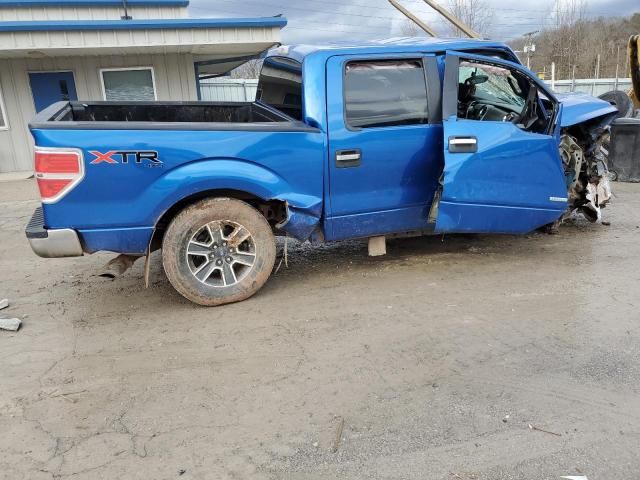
x=513, y=23
x=392, y=13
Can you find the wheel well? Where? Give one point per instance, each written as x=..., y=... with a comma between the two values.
x=274, y=211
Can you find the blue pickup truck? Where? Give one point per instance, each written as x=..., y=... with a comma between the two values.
x=407, y=136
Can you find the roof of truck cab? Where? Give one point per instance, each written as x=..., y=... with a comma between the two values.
x=405, y=44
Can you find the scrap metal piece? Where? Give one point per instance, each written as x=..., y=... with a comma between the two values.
x=4, y=303
x=598, y=194
x=572, y=158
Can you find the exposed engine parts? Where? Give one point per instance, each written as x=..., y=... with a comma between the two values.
x=585, y=165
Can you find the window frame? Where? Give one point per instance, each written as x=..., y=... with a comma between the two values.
x=125, y=69
x=3, y=112
x=420, y=57
x=514, y=73
x=259, y=91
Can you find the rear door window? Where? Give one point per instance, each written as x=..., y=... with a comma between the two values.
x=385, y=93
x=280, y=85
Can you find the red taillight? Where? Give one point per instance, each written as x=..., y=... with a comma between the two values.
x=57, y=162
x=49, y=188
x=57, y=172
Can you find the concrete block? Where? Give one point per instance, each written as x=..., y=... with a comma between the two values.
x=377, y=246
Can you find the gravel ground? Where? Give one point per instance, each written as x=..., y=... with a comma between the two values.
x=433, y=361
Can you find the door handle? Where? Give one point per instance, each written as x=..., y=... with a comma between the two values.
x=463, y=144
x=348, y=158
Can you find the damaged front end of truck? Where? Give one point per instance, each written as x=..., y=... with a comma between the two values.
x=584, y=150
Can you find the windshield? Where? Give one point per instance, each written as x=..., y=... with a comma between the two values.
x=498, y=85
x=280, y=85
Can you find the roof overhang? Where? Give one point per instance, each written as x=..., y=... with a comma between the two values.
x=202, y=37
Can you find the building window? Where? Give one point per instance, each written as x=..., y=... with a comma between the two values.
x=4, y=125
x=385, y=93
x=128, y=84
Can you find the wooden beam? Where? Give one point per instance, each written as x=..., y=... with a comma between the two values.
x=453, y=19
x=413, y=18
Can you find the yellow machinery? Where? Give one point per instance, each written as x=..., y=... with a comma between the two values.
x=634, y=63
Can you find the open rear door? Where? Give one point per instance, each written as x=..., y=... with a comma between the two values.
x=503, y=171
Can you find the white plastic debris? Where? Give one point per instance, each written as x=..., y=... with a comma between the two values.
x=4, y=303
x=12, y=324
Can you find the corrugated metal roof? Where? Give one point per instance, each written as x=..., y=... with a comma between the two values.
x=177, y=23
x=91, y=3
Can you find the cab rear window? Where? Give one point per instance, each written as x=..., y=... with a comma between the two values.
x=280, y=85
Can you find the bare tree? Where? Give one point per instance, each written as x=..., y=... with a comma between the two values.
x=410, y=29
x=569, y=12
x=569, y=16
x=475, y=13
x=575, y=42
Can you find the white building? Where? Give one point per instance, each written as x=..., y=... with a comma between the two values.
x=88, y=50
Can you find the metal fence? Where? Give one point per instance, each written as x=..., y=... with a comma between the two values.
x=228, y=90
x=592, y=86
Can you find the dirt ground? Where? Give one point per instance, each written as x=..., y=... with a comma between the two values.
x=434, y=360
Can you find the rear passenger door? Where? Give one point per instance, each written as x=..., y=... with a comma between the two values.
x=385, y=143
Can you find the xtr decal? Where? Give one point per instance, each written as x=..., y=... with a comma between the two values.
x=149, y=157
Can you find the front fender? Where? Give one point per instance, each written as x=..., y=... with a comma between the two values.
x=233, y=174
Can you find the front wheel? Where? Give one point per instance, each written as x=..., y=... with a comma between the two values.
x=217, y=251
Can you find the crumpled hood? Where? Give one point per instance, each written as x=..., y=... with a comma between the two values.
x=580, y=107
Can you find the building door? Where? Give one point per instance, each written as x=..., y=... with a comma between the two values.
x=50, y=87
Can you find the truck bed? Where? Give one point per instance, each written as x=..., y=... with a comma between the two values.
x=149, y=115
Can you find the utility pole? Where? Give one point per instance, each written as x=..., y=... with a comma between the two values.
x=529, y=47
x=413, y=18
x=466, y=29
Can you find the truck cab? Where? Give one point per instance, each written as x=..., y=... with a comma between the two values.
x=459, y=139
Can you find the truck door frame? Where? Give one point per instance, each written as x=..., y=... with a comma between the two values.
x=509, y=180
x=339, y=224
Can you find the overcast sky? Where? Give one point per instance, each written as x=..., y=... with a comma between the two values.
x=325, y=20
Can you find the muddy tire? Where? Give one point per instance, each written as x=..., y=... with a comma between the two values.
x=217, y=251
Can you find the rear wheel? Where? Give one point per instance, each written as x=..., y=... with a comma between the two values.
x=218, y=251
